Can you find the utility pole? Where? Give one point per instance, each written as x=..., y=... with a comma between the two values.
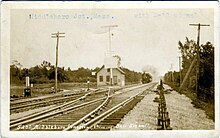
x=57, y=36
x=172, y=76
x=187, y=74
x=110, y=49
x=180, y=68
x=197, y=53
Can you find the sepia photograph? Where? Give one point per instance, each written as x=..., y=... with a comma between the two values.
x=96, y=68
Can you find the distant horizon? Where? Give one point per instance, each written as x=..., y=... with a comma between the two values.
x=65, y=68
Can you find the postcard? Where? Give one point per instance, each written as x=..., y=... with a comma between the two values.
x=110, y=69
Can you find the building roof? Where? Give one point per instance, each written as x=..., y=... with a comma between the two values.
x=119, y=69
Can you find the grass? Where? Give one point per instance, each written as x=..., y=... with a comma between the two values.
x=43, y=89
x=208, y=106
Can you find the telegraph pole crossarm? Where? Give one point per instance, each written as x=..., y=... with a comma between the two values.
x=109, y=26
x=197, y=53
x=199, y=24
x=57, y=36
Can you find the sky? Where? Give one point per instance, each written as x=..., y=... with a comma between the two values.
x=143, y=38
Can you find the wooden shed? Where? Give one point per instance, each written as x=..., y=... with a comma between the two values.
x=103, y=76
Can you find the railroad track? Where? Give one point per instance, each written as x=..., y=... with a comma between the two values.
x=84, y=100
x=25, y=106
x=32, y=103
x=29, y=104
x=73, y=112
x=47, y=97
x=104, y=117
x=112, y=120
x=46, y=102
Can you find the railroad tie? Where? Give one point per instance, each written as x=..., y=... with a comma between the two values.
x=92, y=116
x=100, y=109
x=97, y=112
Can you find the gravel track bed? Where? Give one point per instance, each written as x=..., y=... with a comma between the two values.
x=142, y=117
x=183, y=115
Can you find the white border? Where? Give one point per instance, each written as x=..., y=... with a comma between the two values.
x=5, y=61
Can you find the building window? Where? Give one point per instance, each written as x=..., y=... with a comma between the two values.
x=115, y=80
x=107, y=78
x=100, y=78
x=108, y=70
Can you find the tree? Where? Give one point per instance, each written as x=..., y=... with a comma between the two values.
x=206, y=66
x=188, y=52
x=82, y=74
x=131, y=76
x=16, y=64
x=15, y=72
x=61, y=74
x=206, y=78
x=45, y=67
x=45, y=73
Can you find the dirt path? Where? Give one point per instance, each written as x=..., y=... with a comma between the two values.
x=183, y=115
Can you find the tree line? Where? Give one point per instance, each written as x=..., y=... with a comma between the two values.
x=45, y=73
x=206, y=68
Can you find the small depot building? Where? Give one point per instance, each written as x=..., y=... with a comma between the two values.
x=103, y=76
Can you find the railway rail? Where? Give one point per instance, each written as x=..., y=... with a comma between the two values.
x=45, y=97
x=41, y=103
x=73, y=113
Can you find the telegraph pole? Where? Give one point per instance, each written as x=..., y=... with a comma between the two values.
x=110, y=49
x=172, y=76
x=197, y=53
x=180, y=68
x=57, y=36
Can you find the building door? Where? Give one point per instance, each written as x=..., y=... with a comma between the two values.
x=115, y=80
x=108, y=80
x=123, y=80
